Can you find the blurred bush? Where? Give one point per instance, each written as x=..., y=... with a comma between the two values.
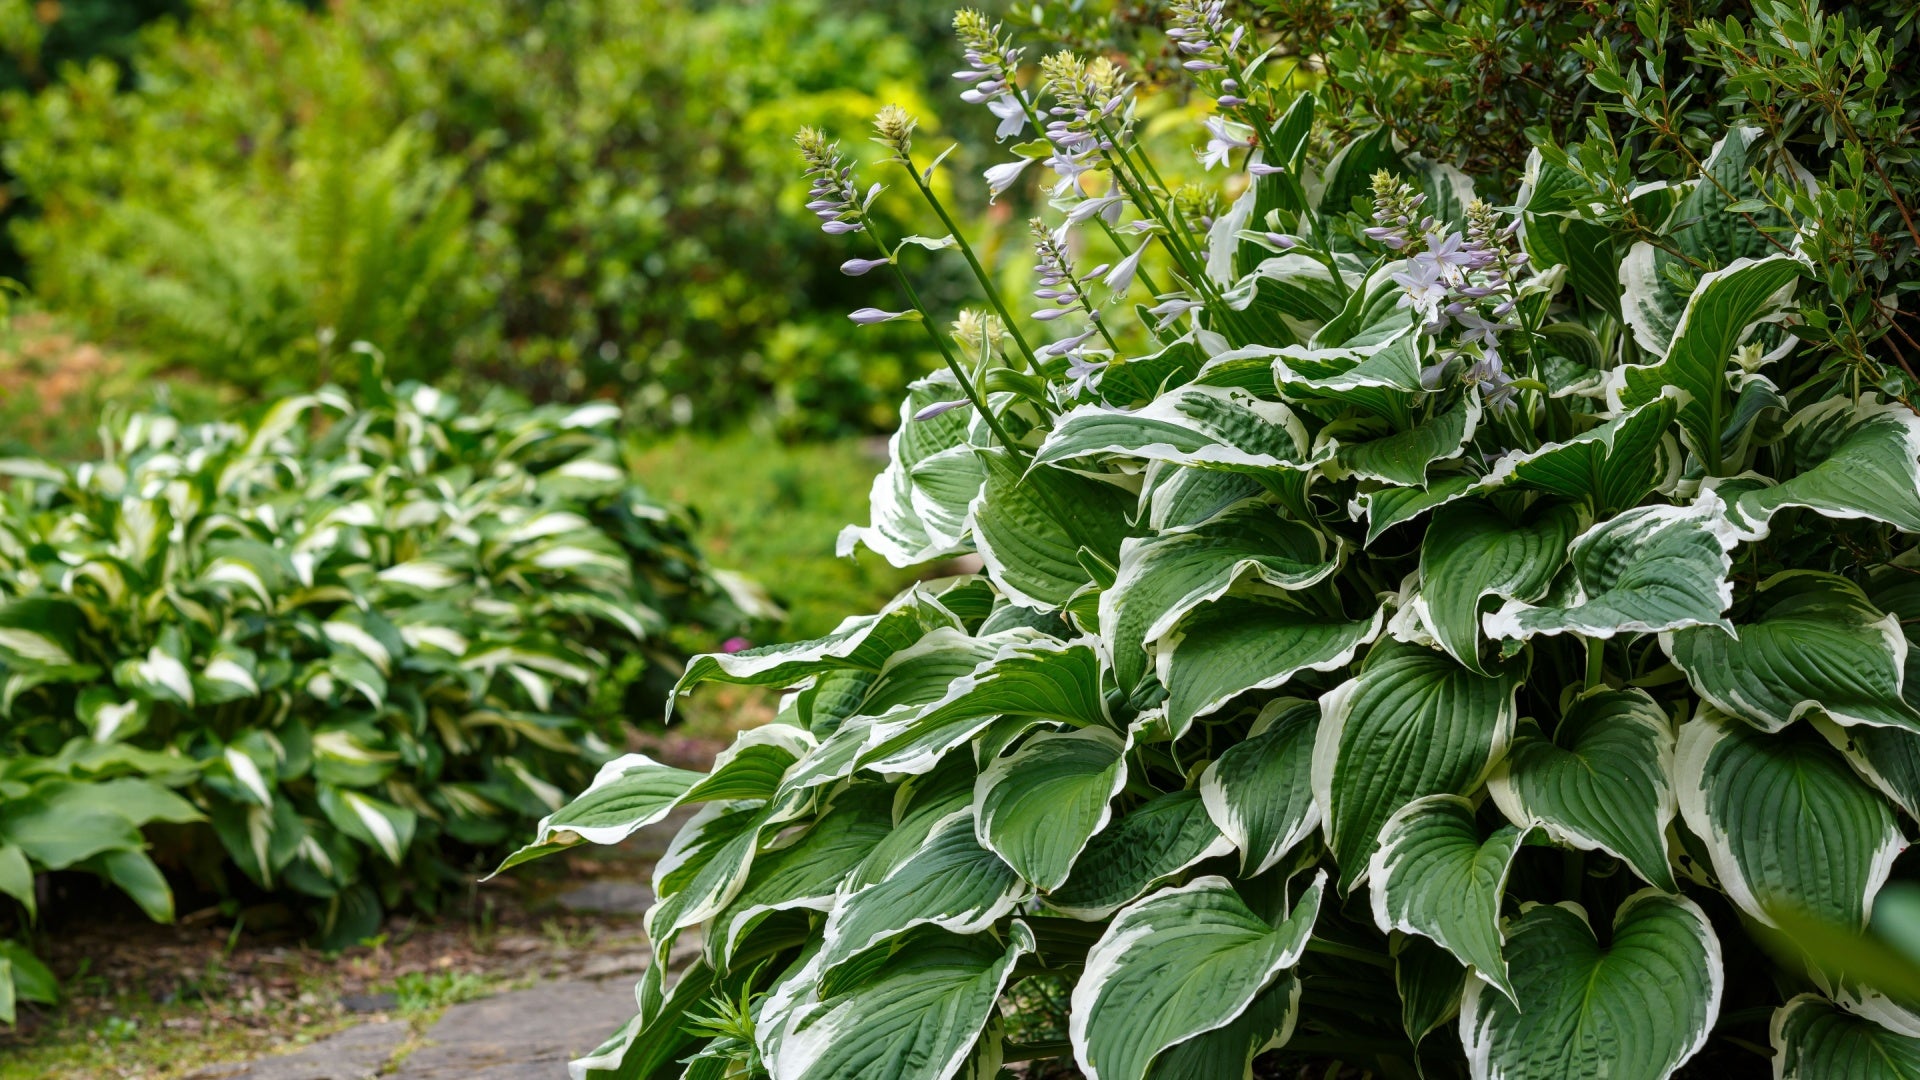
x=570, y=199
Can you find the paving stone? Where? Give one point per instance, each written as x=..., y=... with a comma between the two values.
x=524, y=1035
x=357, y=1053
x=608, y=897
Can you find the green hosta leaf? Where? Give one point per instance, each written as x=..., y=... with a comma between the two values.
x=57, y=836
x=1723, y=305
x=1413, y=723
x=1611, y=466
x=1147, y=845
x=1403, y=457
x=1814, y=1040
x=1603, y=782
x=1173, y=496
x=1889, y=758
x=1038, y=678
x=1182, y=962
x=1784, y=820
x=1196, y=425
x=951, y=882
x=1651, y=569
x=807, y=872
x=1817, y=643
x=1228, y=1052
x=1473, y=551
x=1031, y=524
x=753, y=766
x=921, y=497
x=16, y=878
x=862, y=643
x=1385, y=507
x=135, y=874
x=1239, y=644
x=1844, y=461
x=915, y=1018
x=707, y=865
x=1638, y=1008
x=1430, y=982
x=627, y=795
x=1259, y=792
x=1434, y=875
x=1037, y=807
x=385, y=827
x=1163, y=577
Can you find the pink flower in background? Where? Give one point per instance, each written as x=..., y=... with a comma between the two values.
x=735, y=644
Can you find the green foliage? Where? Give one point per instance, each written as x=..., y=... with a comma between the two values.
x=1433, y=639
x=559, y=197
x=361, y=640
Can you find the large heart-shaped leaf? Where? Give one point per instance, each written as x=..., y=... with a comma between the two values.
x=1413, y=723
x=1163, y=577
x=915, y=1017
x=1785, y=821
x=1037, y=807
x=1814, y=1040
x=1843, y=459
x=1651, y=569
x=1214, y=426
x=1030, y=524
x=1259, y=791
x=1472, y=552
x=1639, y=1007
x=1149, y=844
x=1251, y=643
x=1602, y=783
x=1436, y=876
x=1815, y=642
x=1612, y=466
x=1180, y=963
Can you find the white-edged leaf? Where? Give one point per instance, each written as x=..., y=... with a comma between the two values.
x=1238, y=644
x=1473, y=551
x=1146, y=845
x=1815, y=1040
x=1259, y=791
x=1435, y=875
x=1038, y=806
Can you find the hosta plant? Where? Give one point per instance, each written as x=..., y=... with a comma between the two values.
x=1439, y=630
x=364, y=636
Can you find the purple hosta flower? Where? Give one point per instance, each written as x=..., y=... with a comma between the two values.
x=867, y=316
x=1064, y=346
x=1084, y=372
x=1001, y=177
x=1121, y=279
x=1281, y=241
x=939, y=407
x=1433, y=374
x=1171, y=309
x=991, y=66
x=859, y=267
x=1106, y=206
x=1490, y=375
x=1223, y=138
x=1012, y=114
x=1199, y=25
x=1394, y=204
x=1426, y=289
x=834, y=198
x=1054, y=270
x=1477, y=329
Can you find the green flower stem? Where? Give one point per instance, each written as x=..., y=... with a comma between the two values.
x=946, y=352
x=1596, y=663
x=1348, y=952
x=979, y=271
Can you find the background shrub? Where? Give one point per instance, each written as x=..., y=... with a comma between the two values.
x=363, y=638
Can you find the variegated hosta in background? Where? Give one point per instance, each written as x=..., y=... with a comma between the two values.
x=1409, y=645
x=359, y=640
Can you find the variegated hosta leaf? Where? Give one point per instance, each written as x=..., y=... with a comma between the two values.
x=1603, y=782
x=1038, y=806
x=1612, y=466
x=1785, y=821
x=863, y=642
x=920, y=500
x=1030, y=676
x=1163, y=577
x=1148, y=844
x=1403, y=457
x=707, y=865
x=1639, y=1007
x=1259, y=792
x=807, y=871
x=915, y=1016
x=1228, y=1052
x=1473, y=551
x=1814, y=1040
x=1814, y=642
x=1180, y=963
x=1889, y=758
x=1723, y=305
x=951, y=882
x=1843, y=460
x=1413, y=723
x=1651, y=569
x=1030, y=525
x=1195, y=425
x=634, y=791
x=1173, y=496
x=1434, y=875
x=1430, y=982
x=1248, y=643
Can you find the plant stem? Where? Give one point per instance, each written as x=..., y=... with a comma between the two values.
x=1347, y=952
x=1596, y=662
x=979, y=271
x=1036, y=1051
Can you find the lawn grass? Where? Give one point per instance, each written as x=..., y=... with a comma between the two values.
x=773, y=510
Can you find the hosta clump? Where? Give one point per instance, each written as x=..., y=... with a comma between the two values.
x=1401, y=645
x=359, y=638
